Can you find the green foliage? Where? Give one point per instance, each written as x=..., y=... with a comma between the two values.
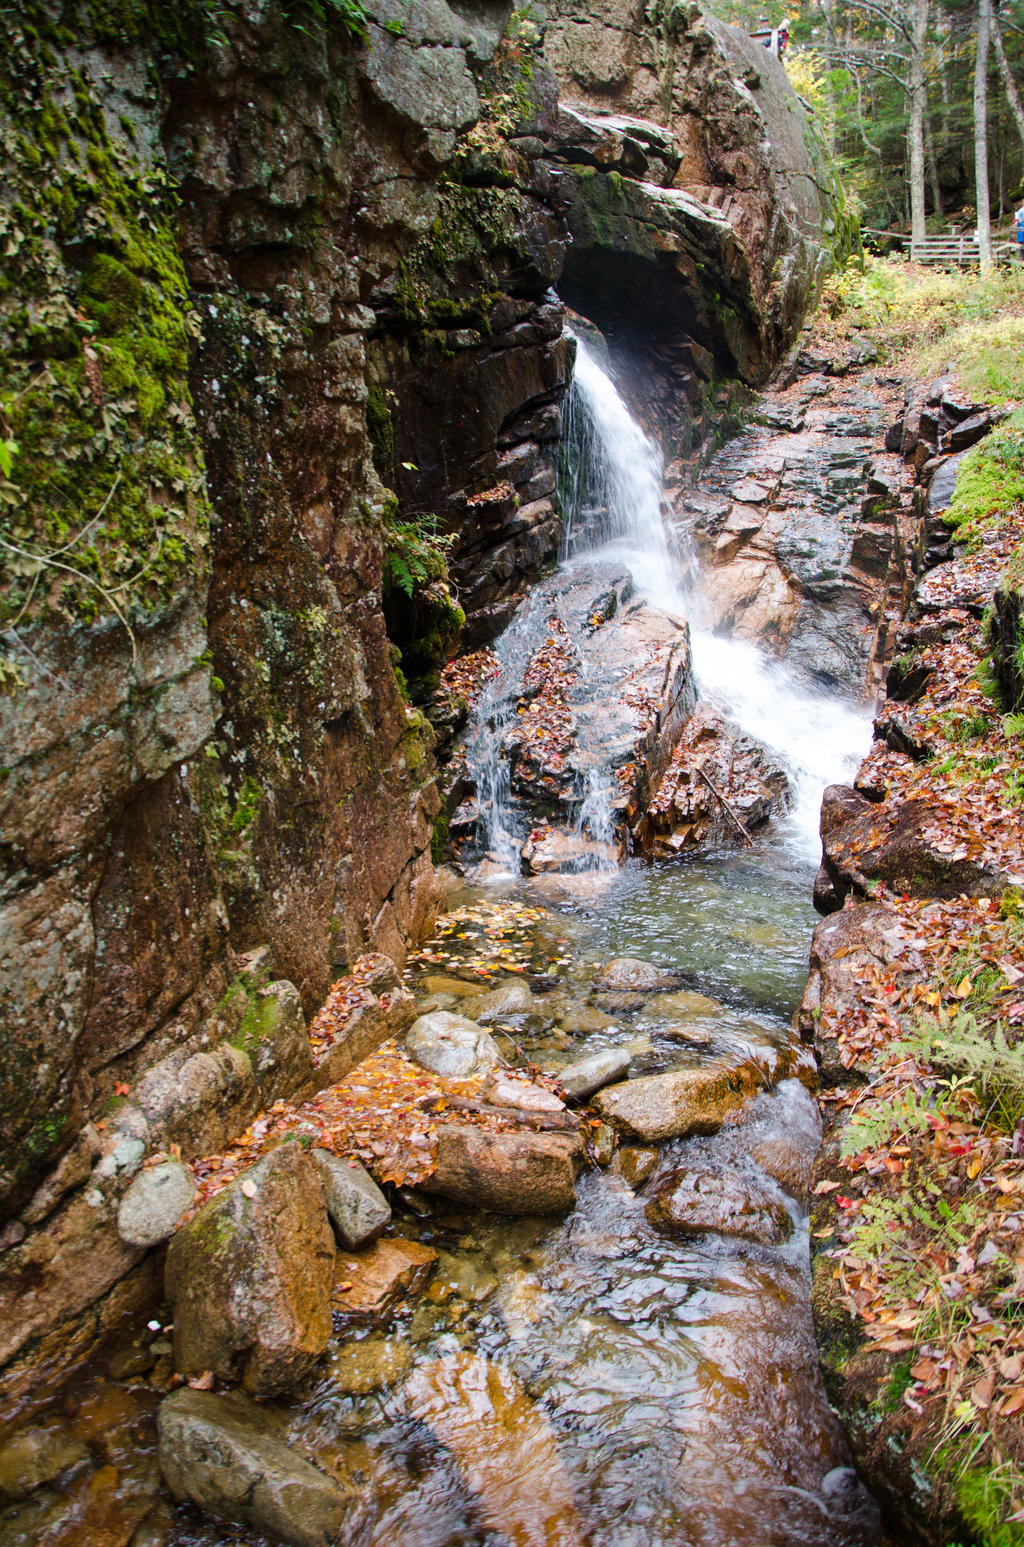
x=991, y=1499
x=415, y=554
x=978, y=1056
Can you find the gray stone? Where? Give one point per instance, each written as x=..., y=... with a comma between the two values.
x=274, y=1037
x=626, y=975
x=357, y=1207
x=451, y=1045
x=590, y=1074
x=155, y=1204
x=581, y=1019
x=223, y=1453
x=676, y=1105
x=511, y=1000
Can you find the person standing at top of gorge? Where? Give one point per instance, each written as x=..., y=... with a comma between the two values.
x=1018, y=229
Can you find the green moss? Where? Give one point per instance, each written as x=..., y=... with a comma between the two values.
x=381, y=432
x=258, y=1024
x=439, y=837
x=104, y=513
x=990, y=479
x=987, y=1496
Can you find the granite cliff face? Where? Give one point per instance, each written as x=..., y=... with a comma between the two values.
x=279, y=313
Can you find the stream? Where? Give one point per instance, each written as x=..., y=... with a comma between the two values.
x=676, y=1382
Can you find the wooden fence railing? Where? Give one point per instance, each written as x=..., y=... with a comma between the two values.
x=950, y=252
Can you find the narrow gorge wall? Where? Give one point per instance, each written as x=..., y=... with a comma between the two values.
x=278, y=295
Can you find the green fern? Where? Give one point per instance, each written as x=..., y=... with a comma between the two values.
x=979, y=1056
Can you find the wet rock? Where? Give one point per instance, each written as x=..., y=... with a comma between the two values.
x=451, y=1045
x=359, y=1368
x=635, y=1165
x=679, y=1104
x=368, y=1285
x=250, y=1278
x=552, y=850
x=693, y=1202
x=619, y=1004
x=504, y=1004
x=582, y=1079
x=509, y=1173
x=582, y=1019
x=357, y=1208
x=502, y=1445
x=626, y=975
x=602, y=1144
x=441, y=983
x=36, y=1456
x=787, y=1162
x=224, y=1453
x=155, y=1204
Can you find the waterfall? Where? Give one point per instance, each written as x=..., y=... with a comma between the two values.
x=612, y=483
x=613, y=495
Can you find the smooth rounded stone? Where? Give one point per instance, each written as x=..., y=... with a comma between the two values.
x=523, y=1095
x=787, y=1162
x=502, y=1445
x=683, y=1005
x=36, y=1456
x=451, y=1045
x=359, y=1368
x=582, y=1079
x=635, y=1165
x=627, y=975
x=675, y=1105
x=358, y=1209
x=225, y=1454
x=434, y=1002
x=619, y=1004
x=509, y=1173
x=694, y=1202
x=250, y=1277
x=692, y=1036
x=442, y=983
x=512, y=999
x=155, y=1204
x=579, y=1020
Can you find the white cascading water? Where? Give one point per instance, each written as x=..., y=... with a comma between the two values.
x=616, y=469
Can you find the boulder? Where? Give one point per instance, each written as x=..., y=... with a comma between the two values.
x=451, y=1045
x=689, y=1202
x=510, y=1173
x=900, y=842
x=507, y=1091
x=626, y=975
x=250, y=1278
x=366, y=1286
x=198, y=1101
x=504, y=1003
x=361, y=1033
x=679, y=1104
x=502, y=1445
x=224, y=1453
x=357, y=1208
x=582, y=1079
x=155, y=1204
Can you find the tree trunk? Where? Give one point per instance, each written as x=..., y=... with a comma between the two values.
x=981, y=136
x=933, y=165
x=1009, y=84
x=915, y=130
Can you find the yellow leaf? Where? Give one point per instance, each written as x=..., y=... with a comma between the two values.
x=975, y=1166
x=933, y=999
x=963, y=988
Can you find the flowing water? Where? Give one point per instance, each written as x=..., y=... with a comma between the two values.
x=663, y=1393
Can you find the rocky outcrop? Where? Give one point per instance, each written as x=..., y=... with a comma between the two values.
x=678, y=1105
x=682, y=154
x=805, y=528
